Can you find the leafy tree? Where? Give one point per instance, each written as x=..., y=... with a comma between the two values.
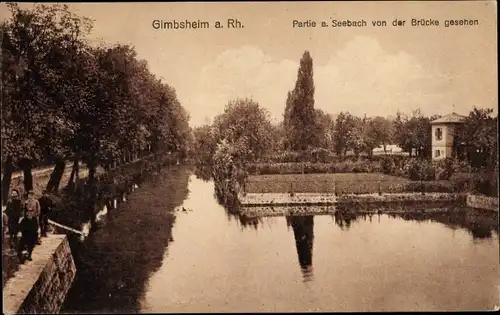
x=479, y=134
x=413, y=133
x=355, y=135
x=244, y=123
x=38, y=50
x=380, y=130
x=277, y=138
x=369, y=136
x=204, y=145
x=324, y=129
x=347, y=133
x=401, y=133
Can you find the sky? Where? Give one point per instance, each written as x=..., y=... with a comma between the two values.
x=365, y=70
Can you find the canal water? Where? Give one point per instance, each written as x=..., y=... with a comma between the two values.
x=151, y=256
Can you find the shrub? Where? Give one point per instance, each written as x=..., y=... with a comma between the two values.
x=486, y=186
x=479, y=183
x=431, y=187
x=464, y=182
x=318, y=155
x=387, y=165
x=321, y=155
x=396, y=165
x=289, y=157
x=447, y=167
x=420, y=169
x=228, y=172
x=311, y=168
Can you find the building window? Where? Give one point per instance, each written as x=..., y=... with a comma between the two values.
x=439, y=134
x=437, y=153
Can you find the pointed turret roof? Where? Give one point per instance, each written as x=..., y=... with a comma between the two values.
x=452, y=118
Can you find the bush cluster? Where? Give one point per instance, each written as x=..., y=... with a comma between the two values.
x=314, y=168
x=446, y=168
x=431, y=187
x=318, y=155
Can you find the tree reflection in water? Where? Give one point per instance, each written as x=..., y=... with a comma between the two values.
x=203, y=172
x=344, y=219
x=247, y=222
x=303, y=231
x=479, y=225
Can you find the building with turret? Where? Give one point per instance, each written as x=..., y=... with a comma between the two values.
x=443, y=136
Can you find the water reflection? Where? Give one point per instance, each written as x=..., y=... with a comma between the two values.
x=246, y=222
x=345, y=219
x=222, y=262
x=479, y=224
x=115, y=262
x=203, y=172
x=303, y=231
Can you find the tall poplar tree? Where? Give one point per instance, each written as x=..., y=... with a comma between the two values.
x=299, y=120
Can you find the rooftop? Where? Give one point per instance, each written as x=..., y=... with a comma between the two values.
x=449, y=119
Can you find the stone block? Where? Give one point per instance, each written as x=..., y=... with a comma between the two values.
x=40, y=286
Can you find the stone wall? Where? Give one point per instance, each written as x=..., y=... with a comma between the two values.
x=285, y=199
x=400, y=197
x=271, y=211
x=41, y=285
x=482, y=202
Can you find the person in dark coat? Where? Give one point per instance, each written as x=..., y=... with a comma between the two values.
x=46, y=206
x=29, y=226
x=5, y=224
x=14, y=213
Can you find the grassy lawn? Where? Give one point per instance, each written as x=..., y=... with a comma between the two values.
x=357, y=183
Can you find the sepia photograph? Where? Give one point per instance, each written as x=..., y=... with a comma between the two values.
x=234, y=157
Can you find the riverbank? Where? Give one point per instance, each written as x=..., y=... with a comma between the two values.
x=80, y=205
x=76, y=209
x=482, y=202
x=40, y=286
x=279, y=204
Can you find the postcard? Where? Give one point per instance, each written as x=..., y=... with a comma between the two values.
x=278, y=156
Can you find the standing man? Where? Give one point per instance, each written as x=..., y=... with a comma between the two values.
x=45, y=210
x=32, y=209
x=14, y=210
x=5, y=222
x=29, y=226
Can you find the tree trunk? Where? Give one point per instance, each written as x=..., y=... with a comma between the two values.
x=77, y=171
x=7, y=178
x=385, y=148
x=28, y=176
x=91, y=165
x=72, y=176
x=492, y=172
x=73, y=179
x=55, y=177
